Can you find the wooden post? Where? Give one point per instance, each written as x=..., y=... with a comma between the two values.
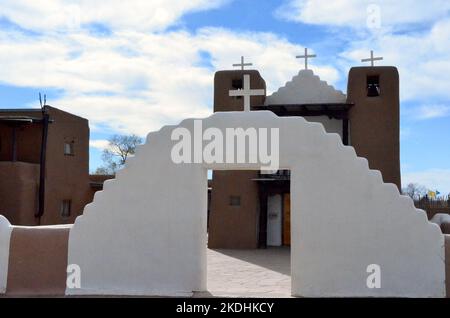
x=262, y=216
x=45, y=122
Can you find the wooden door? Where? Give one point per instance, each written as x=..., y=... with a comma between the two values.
x=287, y=219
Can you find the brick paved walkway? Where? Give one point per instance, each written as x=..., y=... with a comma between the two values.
x=248, y=273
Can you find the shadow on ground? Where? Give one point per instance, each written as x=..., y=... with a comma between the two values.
x=248, y=273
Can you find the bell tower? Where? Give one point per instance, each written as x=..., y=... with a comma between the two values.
x=225, y=81
x=375, y=118
x=234, y=197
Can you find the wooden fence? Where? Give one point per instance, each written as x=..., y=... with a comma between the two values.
x=433, y=205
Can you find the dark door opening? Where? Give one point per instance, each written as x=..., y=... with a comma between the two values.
x=275, y=209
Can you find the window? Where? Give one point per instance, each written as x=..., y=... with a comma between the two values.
x=237, y=84
x=69, y=148
x=65, y=208
x=235, y=200
x=373, y=86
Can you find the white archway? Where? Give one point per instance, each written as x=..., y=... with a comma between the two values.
x=144, y=234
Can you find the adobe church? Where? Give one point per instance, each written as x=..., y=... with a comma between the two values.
x=249, y=209
x=344, y=218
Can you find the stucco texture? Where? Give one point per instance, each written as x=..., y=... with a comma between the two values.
x=145, y=233
x=38, y=261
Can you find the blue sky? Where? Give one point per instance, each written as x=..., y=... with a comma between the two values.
x=131, y=67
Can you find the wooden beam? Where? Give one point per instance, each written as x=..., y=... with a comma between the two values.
x=337, y=111
x=14, y=143
x=345, y=131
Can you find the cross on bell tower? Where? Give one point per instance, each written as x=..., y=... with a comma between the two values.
x=372, y=59
x=306, y=56
x=242, y=64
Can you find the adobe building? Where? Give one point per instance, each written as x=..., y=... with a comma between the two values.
x=334, y=240
x=44, y=166
x=249, y=209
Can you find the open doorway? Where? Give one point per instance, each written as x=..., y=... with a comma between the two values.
x=275, y=209
x=248, y=209
x=248, y=251
x=278, y=220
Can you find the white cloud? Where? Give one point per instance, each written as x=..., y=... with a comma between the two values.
x=272, y=55
x=51, y=15
x=354, y=13
x=124, y=93
x=135, y=82
x=99, y=144
x=414, y=36
x=433, y=179
x=423, y=59
x=432, y=111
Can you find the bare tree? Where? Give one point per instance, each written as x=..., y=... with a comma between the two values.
x=414, y=190
x=120, y=147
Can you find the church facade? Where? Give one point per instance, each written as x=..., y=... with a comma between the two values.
x=250, y=209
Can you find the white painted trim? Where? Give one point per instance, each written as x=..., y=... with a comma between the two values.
x=5, y=238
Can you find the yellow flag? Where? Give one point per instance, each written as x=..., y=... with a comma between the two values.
x=432, y=194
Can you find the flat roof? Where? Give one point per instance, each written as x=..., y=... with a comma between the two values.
x=48, y=108
x=19, y=119
x=18, y=110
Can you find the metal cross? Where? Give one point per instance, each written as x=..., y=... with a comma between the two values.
x=247, y=92
x=372, y=59
x=306, y=56
x=242, y=64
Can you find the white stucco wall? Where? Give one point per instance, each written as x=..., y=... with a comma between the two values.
x=440, y=218
x=5, y=236
x=306, y=88
x=145, y=233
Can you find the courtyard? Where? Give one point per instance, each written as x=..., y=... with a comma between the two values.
x=248, y=273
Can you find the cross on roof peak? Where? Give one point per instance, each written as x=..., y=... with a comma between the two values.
x=372, y=59
x=306, y=56
x=242, y=64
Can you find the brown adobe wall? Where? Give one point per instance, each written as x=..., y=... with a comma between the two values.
x=67, y=176
x=19, y=192
x=38, y=261
x=96, y=184
x=375, y=121
x=223, y=84
x=234, y=226
x=28, y=141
